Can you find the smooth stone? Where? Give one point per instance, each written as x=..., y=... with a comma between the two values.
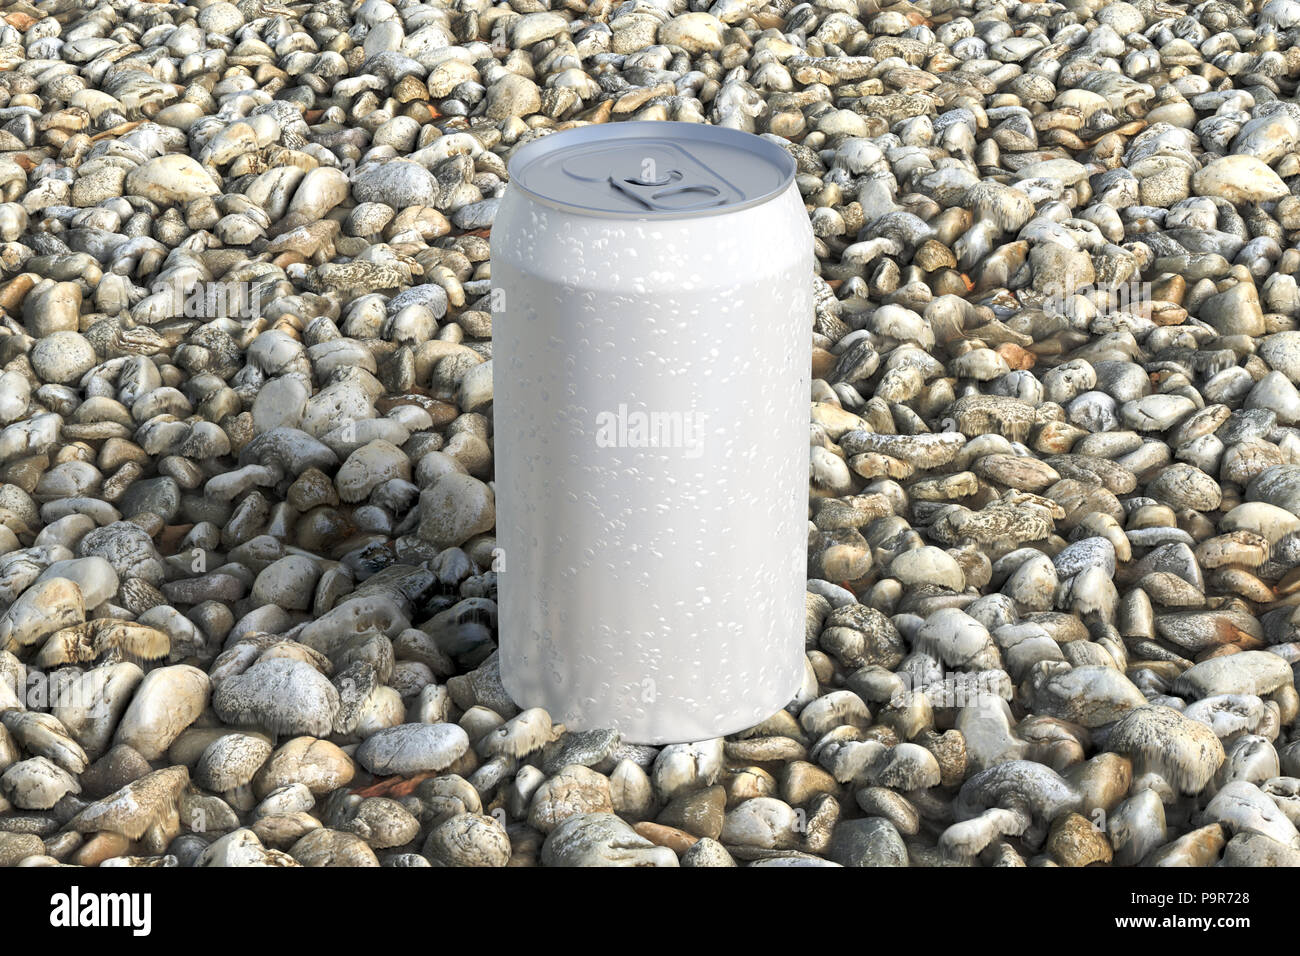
x=928, y=565
x=412, y=748
x=397, y=183
x=1247, y=672
x=602, y=839
x=1240, y=180
x=455, y=509
x=873, y=841
x=171, y=180
x=281, y=695
x=167, y=701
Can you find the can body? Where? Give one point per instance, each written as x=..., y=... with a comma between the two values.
x=651, y=384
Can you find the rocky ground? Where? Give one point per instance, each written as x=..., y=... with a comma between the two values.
x=245, y=467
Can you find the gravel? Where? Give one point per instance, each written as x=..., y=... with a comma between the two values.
x=247, y=564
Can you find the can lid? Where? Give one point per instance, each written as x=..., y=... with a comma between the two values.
x=651, y=170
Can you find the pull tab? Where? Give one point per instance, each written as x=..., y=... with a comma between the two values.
x=649, y=177
x=654, y=177
x=667, y=191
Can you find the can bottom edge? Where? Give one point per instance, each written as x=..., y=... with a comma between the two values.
x=663, y=731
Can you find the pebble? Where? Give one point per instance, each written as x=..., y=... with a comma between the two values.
x=573, y=790
x=1248, y=672
x=382, y=823
x=91, y=706
x=17, y=847
x=167, y=701
x=281, y=695
x=763, y=823
x=468, y=839
x=601, y=839
x=230, y=761
x=1074, y=841
x=454, y=509
x=320, y=766
x=412, y=748
x=150, y=802
x=872, y=841
x=332, y=848
x=37, y=784
x=242, y=848
x=701, y=812
x=171, y=179
x=62, y=357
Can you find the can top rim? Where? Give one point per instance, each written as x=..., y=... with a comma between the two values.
x=647, y=169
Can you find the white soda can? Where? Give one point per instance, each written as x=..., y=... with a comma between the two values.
x=651, y=350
